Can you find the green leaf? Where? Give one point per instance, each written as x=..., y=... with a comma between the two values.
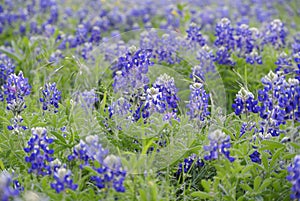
x=275, y=157
x=143, y=195
x=12, y=55
x=206, y=185
x=265, y=184
x=201, y=194
x=59, y=137
x=289, y=156
x=270, y=144
x=257, y=182
x=1, y=165
x=295, y=145
x=264, y=160
x=246, y=187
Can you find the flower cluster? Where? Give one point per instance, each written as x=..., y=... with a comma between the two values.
x=224, y=34
x=189, y=162
x=130, y=71
x=15, y=89
x=51, y=97
x=109, y=167
x=279, y=102
x=245, y=102
x=7, y=67
x=253, y=58
x=275, y=34
x=121, y=107
x=88, y=99
x=219, y=144
x=206, y=59
x=40, y=153
x=6, y=189
x=244, y=39
x=247, y=127
x=16, y=124
x=63, y=179
x=255, y=157
x=194, y=36
x=164, y=48
x=198, y=103
x=161, y=97
x=284, y=63
x=294, y=177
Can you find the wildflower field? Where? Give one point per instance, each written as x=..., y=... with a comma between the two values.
x=149, y=100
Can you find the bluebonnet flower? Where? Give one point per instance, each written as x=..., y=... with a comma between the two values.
x=224, y=34
x=164, y=48
x=53, y=14
x=296, y=43
x=121, y=107
x=198, y=103
x=95, y=35
x=206, y=59
x=171, y=115
x=63, y=180
x=6, y=189
x=88, y=99
x=86, y=51
x=223, y=56
x=149, y=39
x=247, y=127
x=16, y=124
x=172, y=15
x=161, y=97
x=130, y=71
x=189, y=162
x=15, y=89
x=275, y=34
x=284, y=63
x=109, y=168
x=278, y=102
x=255, y=157
x=245, y=102
x=7, y=68
x=243, y=39
x=219, y=144
x=56, y=56
x=111, y=174
x=51, y=97
x=80, y=153
x=296, y=58
x=253, y=58
x=294, y=177
x=40, y=153
x=49, y=30
x=115, y=50
x=81, y=34
x=194, y=36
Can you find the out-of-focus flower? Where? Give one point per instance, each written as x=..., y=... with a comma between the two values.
x=110, y=173
x=51, y=97
x=198, y=103
x=189, y=162
x=63, y=180
x=275, y=34
x=219, y=145
x=6, y=189
x=294, y=177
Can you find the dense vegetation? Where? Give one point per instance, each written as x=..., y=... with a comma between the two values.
x=149, y=100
